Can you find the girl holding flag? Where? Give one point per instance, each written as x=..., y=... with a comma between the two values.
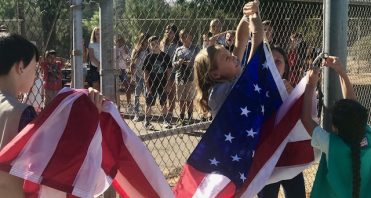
x=344, y=170
x=217, y=70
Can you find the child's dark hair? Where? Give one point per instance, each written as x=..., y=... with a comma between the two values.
x=283, y=53
x=13, y=49
x=350, y=119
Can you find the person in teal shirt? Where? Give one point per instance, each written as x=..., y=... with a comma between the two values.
x=344, y=169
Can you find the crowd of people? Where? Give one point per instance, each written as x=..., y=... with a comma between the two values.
x=174, y=69
x=175, y=90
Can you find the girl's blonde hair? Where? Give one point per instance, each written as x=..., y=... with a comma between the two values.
x=93, y=39
x=205, y=62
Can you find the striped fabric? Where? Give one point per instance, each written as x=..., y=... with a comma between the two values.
x=70, y=150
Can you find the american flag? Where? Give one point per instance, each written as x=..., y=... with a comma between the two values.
x=70, y=150
x=237, y=155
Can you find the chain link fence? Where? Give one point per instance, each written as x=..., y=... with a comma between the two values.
x=296, y=27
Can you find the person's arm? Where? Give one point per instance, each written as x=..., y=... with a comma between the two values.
x=214, y=38
x=133, y=61
x=256, y=29
x=146, y=72
x=92, y=57
x=251, y=11
x=242, y=36
x=306, y=114
x=346, y=87
x=176, y=60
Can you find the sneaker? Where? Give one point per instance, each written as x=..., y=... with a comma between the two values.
x=167, y=124
x=136, y=118
x=148, y=125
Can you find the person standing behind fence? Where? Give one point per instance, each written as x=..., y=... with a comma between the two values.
x=297, y=54
x=157, y=67
x=229, y=41
x=214, y=36
x=93, y=76
x=295, y=187
x=268, y=32
x=51, y=68
x=344, y=169
x=122, y=57
x=183, y=62
x=169, y=43
x=138, y=55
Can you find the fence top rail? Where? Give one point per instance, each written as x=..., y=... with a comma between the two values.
x=351, y=2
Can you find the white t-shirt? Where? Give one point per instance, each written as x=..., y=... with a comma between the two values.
x=321, y=140
x=96, y=50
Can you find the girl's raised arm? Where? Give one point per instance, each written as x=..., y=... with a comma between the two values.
x=251, y=15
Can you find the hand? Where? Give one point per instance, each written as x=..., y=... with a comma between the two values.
x=334, y=63
x=251, y=8
x=313, y=76
x=97, y=98
x=288, y=86
x=181, y=61
x=205, y=38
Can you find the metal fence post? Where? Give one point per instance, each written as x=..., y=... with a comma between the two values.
x=20, y=17
x=78, y=81
x=107, y=65
x=335, y=43
x=107, y=82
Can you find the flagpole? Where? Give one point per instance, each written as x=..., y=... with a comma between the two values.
x=335, y=32
x=107, y=80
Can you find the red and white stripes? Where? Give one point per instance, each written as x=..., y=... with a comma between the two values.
x=72, y=149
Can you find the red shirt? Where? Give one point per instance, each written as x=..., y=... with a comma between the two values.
x=52, y=75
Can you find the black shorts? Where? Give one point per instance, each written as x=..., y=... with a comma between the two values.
x=92, y=76
x=154, y=92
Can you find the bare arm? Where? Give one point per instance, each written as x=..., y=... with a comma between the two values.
x=306, y=114
x=256, y=28
x=250, y=10
x=346, y=87
x=241, y=39
x=216, y=36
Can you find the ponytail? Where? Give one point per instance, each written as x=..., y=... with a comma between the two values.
x=350, y=119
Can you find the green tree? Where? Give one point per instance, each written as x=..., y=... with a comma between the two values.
x=50, y=11
x=7, y=9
